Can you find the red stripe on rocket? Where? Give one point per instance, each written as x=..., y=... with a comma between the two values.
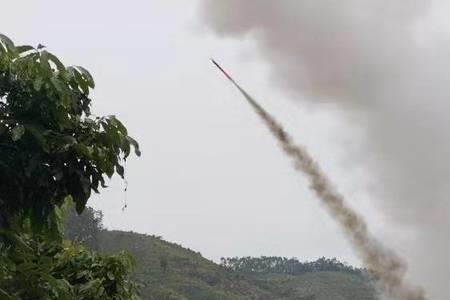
x=223, y=71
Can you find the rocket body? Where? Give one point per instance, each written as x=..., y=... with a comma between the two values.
x=223, y=71
x=243, y=92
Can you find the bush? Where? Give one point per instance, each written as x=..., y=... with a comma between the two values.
x=35, y=268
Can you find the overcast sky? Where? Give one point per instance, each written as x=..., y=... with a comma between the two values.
x=210, y=177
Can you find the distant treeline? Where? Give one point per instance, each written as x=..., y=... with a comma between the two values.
x=283, y=265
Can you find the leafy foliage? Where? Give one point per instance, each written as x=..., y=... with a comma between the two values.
x=283, y=265
x=51, y=146
x=35, y=268
x=54, y=151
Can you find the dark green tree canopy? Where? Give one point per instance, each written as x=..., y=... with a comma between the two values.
x=283, y=265
x=51, y=146
x=83, y=228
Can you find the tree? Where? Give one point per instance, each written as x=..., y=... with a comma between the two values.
x=282, y=265
x=53, y=151
x=51, y=146
x=84, y=228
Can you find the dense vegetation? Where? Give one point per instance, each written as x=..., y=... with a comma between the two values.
x=167, y=271
x=283, y=265
x=35, y=268
x=53, y=153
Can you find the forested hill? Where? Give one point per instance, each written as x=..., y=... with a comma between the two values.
x=167, y=271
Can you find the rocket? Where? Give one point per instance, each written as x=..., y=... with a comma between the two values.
x=223, y=71
x=243, y=92
x=280, y=133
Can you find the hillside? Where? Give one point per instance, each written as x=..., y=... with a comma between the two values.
x=168, y=271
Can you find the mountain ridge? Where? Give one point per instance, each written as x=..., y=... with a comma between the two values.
x=168, y=271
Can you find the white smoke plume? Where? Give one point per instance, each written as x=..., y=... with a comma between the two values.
x=380, y=61
x=389, y=268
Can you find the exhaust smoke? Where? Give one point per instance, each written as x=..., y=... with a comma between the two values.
x=386, y=65
x=388, y=267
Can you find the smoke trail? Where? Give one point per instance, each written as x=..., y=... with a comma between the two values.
x=385, y=64
x=388, y=267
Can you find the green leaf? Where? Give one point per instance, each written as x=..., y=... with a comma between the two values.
x=44, y=62
x=56, y=61
x=62, y=90
x=37, y=133
x=83, y=150
x=135, y=145
x=8, y=43
x=85, y=185
x=110, y=275
x=126, y=150
x=25, y=48
x=114, y=121
x=120, y=170
x=57, y=84
x=37, y=83
x=32, y=165
x=79, y=80
x=87, y=76
x=4, y=295
x=80, y=205
x=17, y=132
x=69, y=140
